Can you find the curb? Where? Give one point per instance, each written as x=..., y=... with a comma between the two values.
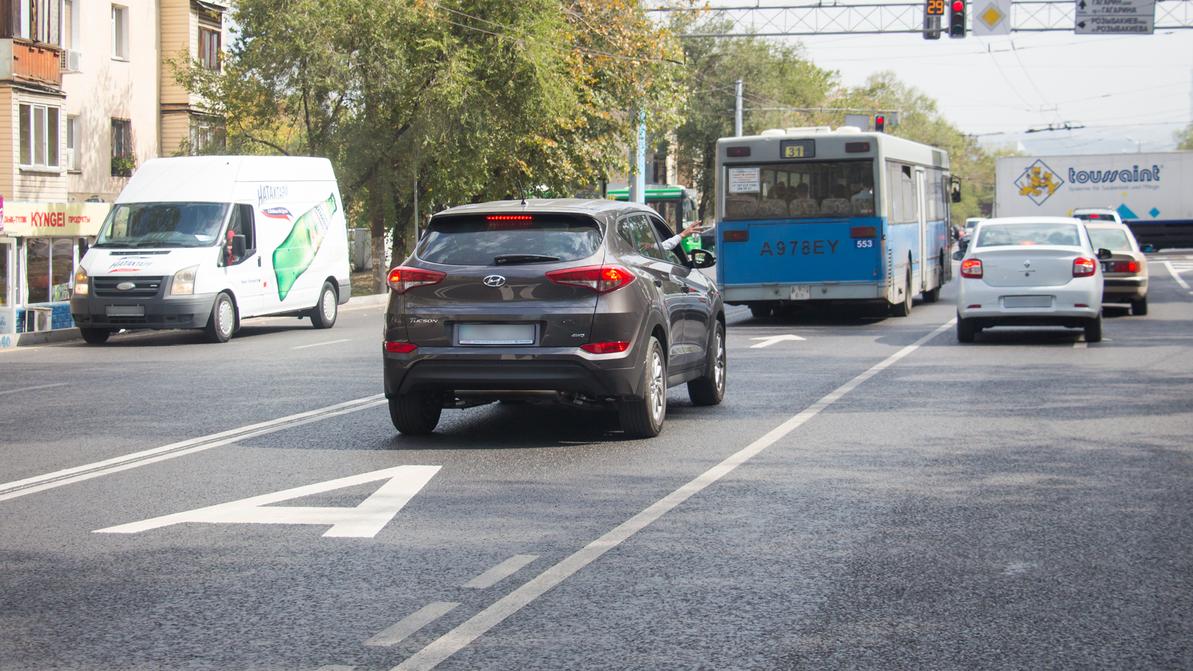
x=70, y=334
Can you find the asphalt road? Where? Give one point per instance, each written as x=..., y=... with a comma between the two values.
x=873, y=496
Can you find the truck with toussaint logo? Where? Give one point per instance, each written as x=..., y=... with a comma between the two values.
x=206, y=241
x=1150, y=191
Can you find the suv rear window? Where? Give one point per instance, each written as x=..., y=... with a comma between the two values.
x=500, y=239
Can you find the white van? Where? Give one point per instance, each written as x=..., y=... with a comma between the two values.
x=205, y=241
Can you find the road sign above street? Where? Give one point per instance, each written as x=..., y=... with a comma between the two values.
x=1104, y=17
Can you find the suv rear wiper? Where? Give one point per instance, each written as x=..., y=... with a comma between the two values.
x=508, y=259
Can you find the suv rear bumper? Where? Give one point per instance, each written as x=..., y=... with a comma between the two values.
x=563, y=370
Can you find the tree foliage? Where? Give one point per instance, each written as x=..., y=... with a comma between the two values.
x=437, y=103
x=1184, y=138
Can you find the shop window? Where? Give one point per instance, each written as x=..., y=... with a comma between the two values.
x=122, y=148
x=38, y=136
x=209, y=49
x=37, y=273
x=62, y=268
x=5, y=250
x=120, y=32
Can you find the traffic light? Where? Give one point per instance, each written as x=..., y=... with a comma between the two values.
x=956, y=18
x=879, y=123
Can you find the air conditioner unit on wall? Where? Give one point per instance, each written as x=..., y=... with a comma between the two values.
x=72, y=60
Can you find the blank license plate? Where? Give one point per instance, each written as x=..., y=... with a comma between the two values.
x=801, y=292
x=495, y=334
x=126, y=310
x=1105, y=267
x=1027, y=301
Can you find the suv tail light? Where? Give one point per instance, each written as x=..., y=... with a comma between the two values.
x=971, y=268
x=612, y=347
x=1084, y=267
x=601, y=279
x=396, y=347
x=403, y=279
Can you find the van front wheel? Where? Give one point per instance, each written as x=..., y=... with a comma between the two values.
x=222, y=323
x=94, y=336
x=323, y=315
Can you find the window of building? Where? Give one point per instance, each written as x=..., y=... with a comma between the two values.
x=5, y=252
x=34, y=20
x=209, y=48
x=207, y=137
x=72, y=141
x=120, y=32
x=38, y=136
x=122, y=148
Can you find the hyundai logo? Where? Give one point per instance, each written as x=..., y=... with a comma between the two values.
x=494, y=281
x=126, y=286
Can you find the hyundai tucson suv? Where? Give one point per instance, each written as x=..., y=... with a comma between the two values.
x=574, y=301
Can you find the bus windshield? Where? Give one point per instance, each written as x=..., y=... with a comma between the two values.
x=800, y=190
x=163, y=225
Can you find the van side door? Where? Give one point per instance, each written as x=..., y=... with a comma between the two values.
x=244, y=271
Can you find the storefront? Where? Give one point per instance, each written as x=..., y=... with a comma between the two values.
x=41, y=245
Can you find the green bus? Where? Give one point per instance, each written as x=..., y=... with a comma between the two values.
x=676, y=203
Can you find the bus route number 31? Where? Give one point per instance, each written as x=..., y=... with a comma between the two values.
x=864, y=244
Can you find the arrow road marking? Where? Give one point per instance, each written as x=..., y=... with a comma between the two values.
x=770, y=340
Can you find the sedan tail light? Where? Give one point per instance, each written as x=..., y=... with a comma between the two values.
x=403, y=279
x=1084, y=267
x=971, y=268
x=1122, y=266
x=601, y=279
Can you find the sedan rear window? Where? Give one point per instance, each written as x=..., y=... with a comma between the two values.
x=509, y=239
x=1110, y=238
x=996, y=235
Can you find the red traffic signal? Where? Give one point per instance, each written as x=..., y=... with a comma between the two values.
x=957, y=18
x=879, y=122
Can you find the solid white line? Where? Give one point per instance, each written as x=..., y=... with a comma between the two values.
x=321, y=344
x=1176, y=276
x=43, y=386
x=500, y=572
x=411, y=623
x=476, y=626
x=336, y=667
x=38, y=483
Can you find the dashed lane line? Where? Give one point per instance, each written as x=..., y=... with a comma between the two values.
x=321, y=344
x=40, y=483
x=464, y=634
x=410, y=624
x=40, y=386
x=500, y=572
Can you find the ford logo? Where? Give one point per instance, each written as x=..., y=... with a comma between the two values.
x=494, y=281
x=126, y=286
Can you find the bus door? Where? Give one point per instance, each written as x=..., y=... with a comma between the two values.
x=922, y=276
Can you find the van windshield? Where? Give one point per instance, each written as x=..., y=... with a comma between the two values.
x=163, y=225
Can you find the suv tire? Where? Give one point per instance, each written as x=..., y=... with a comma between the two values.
x=415, y=413
x=710, y=389
x=643, y=417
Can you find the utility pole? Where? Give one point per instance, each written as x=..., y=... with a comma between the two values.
x=638, y=161
x=737, y=111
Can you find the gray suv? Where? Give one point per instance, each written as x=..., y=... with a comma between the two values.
x=577, y=301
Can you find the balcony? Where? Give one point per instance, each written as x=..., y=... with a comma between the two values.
x=26, y=61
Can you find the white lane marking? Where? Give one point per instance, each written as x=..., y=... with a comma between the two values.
x=38, y=483
x=500, y=572
x=336, y=667
x=321, y=344
x=767, y=341
x=1176, y=276
x=1080, y=344
x=365, y=520
x=40, y=386
x=411, y=623
x=453, y=641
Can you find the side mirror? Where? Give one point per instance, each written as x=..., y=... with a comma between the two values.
x=702, y=258
x=238, y=247
x=955, y=189
x=1104, y=254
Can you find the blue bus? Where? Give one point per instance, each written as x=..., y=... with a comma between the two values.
x=813, y=214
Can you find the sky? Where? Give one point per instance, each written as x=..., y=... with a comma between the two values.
x=1132, y=93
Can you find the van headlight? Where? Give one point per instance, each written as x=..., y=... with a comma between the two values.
x=184, y=282
x=82, y=283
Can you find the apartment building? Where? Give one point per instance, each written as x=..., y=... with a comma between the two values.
x=87, y=93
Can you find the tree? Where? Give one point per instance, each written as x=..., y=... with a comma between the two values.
x=420, y=104
x=1184, y=138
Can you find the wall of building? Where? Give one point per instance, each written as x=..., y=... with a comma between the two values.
x=106, y=88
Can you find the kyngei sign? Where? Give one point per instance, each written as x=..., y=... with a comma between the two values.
x=38, y=219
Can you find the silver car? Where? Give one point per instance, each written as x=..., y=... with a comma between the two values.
x=586, y=302
x=1037, y=271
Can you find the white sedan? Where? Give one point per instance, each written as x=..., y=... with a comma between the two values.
x=1032, y=271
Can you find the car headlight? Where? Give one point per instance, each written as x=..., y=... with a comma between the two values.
x=82, y=283
x=184, y=282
